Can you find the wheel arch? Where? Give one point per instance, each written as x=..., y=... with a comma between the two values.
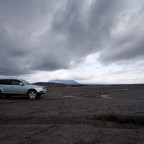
x=31, y=90
x=1, y=89
x=1, y=93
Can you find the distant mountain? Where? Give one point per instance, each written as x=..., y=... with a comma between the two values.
x=69, y=82
x=50, y=84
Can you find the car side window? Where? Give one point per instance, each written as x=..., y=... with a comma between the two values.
x=15, y=82
x=5, y=82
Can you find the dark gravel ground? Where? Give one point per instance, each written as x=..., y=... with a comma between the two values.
x=75, y=115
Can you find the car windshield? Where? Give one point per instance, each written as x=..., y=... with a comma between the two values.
x=25, y=82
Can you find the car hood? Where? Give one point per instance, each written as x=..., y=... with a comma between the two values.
x=36, y=86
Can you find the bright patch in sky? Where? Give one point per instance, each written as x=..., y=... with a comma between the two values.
x=90, y=41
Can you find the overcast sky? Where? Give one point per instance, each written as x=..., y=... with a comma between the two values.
x=91, y=41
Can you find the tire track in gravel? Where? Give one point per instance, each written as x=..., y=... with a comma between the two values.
x=49, y=131
x=103, y=121
x=13, y=102
x=6, y=137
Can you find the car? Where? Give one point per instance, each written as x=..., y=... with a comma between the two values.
x=10, y=87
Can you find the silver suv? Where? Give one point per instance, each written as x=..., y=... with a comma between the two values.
x=20, y=87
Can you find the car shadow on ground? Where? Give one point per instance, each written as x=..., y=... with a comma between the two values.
x=17, y=98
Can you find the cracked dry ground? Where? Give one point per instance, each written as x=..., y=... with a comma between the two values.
x=75, y=115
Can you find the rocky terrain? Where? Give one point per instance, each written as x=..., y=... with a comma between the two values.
x=110, y=114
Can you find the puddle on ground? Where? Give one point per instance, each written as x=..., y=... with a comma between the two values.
x=105, y=96
x=69, y=96
x=124, y=89
x=97, y=96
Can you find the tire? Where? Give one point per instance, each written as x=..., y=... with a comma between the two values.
x=0, y=94
x=8, y=96
x=32, y=94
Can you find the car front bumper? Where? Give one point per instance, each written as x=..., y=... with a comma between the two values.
x=42, y=92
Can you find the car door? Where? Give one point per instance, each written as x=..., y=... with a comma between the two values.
x=6, y=86
x=18, y=87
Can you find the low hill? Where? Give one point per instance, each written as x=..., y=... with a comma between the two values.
x=49, y=84
x=68, y=82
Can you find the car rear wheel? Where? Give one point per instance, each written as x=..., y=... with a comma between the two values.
x=32, y=94
x=0, y=94
x=7, y=96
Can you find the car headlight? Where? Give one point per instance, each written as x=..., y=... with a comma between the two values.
x=40, y=89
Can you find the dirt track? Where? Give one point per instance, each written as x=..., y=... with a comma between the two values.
x=75, y=115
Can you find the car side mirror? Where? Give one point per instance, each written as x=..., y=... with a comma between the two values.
x=21, y=84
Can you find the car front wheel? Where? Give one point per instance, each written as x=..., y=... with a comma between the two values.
x=32, y=94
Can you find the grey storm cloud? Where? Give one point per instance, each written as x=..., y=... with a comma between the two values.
x=47, y=35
